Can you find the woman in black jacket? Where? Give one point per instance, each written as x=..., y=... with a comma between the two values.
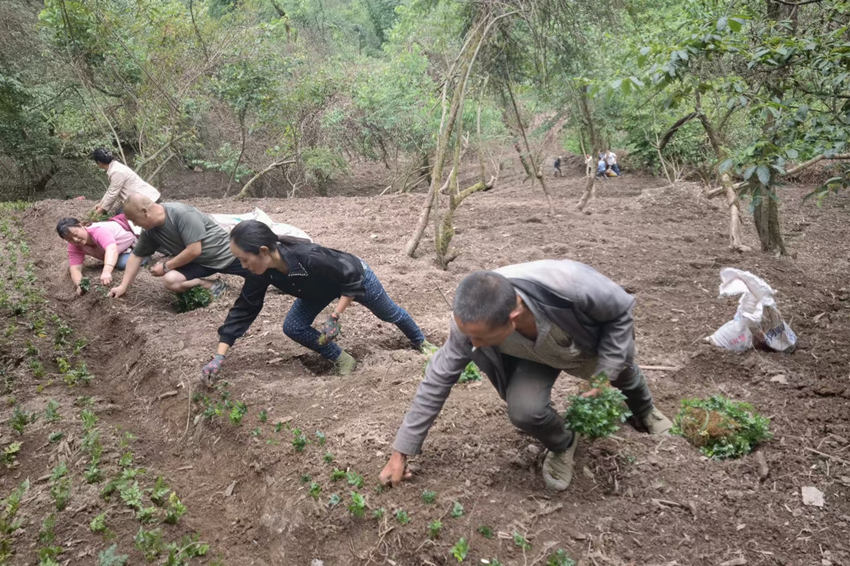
x=316, y=276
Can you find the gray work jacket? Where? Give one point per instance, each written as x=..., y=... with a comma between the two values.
x=592, y=309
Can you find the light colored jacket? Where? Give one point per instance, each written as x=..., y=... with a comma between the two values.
x=589, y=307
x=122, y=182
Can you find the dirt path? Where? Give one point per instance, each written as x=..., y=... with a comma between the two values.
x=634, y=500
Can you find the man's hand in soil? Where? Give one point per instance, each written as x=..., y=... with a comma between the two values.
x=330, y=330
x=210, y=371
x=158, y=270
x=116, y=292
x=396, y=470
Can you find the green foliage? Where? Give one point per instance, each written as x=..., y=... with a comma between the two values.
x=299, y=440
x=720, y=427
x=354, y=479
x=315, y=490
x=10, y=454
x=429, y=496
x=85, y=284
x=470, y=373
x=194, y=298
x=486, y=531
x=560, y=558
x=357, y=507
x=8, y=522
x=51, y=412
x=21, y=418
x=457, y=510
x=110, y=557
x=149, y=543
x=460, y=549
x=434, y=528
x=334, y=500
x=175, y=509
x=237, y=412
x=598, y=416
x=60, y=486
x=402, y=517
x=521, y=542
x=98, y=524
x=160, y=491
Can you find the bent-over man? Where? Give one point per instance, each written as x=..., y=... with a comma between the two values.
x=197, y=246
x=522, y=325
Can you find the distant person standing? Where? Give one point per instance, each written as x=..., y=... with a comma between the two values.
x=557, y=167
x=611, y=161
x=123, y=181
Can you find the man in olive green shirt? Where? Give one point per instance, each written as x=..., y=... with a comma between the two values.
x=197, y=246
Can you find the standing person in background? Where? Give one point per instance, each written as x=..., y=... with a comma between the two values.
x=611, y=162
x=557, y=167
x=123, y=181
x=108, y=241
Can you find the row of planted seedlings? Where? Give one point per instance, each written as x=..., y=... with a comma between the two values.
x=59, y=462
x=343, y=492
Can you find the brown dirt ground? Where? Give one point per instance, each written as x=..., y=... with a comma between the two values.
x=635, y=499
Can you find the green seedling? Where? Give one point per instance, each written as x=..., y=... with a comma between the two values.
x=278, y=426
x=237, y=412
x=434, y=528
x=328, y=458
x=600, y=415
x=55, y=437
x=110, y=557
x=721, y=428
x=51, y=412
x=37, y=369
x=180, y=554
x=10, y=454
x=306, y=478
x=337, y=474
x=429, y=496
x=256, y=432
x=93, y=473
x=560, y=558
x=8, y=521
x=402, y=517
x=457, y=510
x=159, y=492
x=48, y=553
x=149, y=543
x=521, y=542
x=263, y=416
x=20, y=419
x=175, y=509
x=470, y=373
x=485, y=531
x=98, y=524
x=315, y=490
x=460, y=549
x=194, y=298
x=354, y=479
x=89, y=419
x=85, y=285
x=379, y=513
x=146, y=515
x=60, y=486
x=126, y=459
x=358, y=505
x=299, y=440
x=334, y=500
x=131, y=494
x=320, y=438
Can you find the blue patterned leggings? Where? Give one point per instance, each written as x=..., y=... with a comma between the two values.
x=299, y=319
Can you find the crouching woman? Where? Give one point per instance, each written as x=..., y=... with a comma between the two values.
x=108, y=241
x=317, y=276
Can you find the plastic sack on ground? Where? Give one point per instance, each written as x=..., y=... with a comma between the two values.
x=757, y=321
x=228, y=221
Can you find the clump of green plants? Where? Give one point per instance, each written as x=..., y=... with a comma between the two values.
x=85, y=285
x=21, y=418
x=315, y=490
x=10, y=454
x=48, y=553
x=237, y=412
x=98, y=524
x=521, y=542
x=175, y=509
x=457, y=510
x=194, y=298
x=358, y=505
x=110, y=557
x=402, y=517
x=721, y=428
x=334, y=500
x=354, y=479
x=485, y=531
x=434, y=528
x=299, y=440
x=429, y=496
x=600, y=415
x=8, y=523
x=60, y=486
x=149, y=543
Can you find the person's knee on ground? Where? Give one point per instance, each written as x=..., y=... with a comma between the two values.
x=176, y=281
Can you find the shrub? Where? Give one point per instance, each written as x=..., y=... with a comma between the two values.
x=194, y=298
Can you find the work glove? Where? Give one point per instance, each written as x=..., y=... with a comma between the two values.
x=330, y=330
x=210, y=371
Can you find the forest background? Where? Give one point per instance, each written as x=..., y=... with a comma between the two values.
x=286, y=97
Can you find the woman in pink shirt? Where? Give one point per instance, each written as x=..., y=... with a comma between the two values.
x=108, y=241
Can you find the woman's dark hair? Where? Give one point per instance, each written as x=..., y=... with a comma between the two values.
x=251, y=235
x=64, y=226
x=102, y=155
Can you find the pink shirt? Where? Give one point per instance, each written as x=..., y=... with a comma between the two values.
x=103, y=234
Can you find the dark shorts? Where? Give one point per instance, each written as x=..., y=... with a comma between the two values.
x=196, y=271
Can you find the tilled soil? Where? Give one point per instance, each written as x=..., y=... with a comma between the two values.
x=635, y=499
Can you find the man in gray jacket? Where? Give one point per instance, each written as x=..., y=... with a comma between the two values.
x=522, y=325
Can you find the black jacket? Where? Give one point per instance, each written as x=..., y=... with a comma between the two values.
x=316, y=274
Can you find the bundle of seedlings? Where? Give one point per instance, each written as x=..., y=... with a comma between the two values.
x=721, y=428
x=598, y=411
x=194, y=298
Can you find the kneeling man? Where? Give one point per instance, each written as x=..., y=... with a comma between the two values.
x=522, y=325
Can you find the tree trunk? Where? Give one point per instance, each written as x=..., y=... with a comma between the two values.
x=736, y=241
x=766, y=217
